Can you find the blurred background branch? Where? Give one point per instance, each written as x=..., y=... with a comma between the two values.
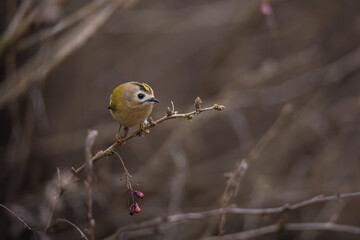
x=290, y=227
x=36, y=69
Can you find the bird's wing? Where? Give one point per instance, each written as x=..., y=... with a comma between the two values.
x=112, y=105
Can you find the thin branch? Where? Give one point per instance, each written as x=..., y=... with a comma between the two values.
x=231, y=189
x=170, y=115
x=134, y=207
x=61, y=189
x=26, y=226
x=183, y=217
x=72, y=224
x=89, y=142
x=233, y=183
x=59, y=178
x=289, y=227
x=127, y=175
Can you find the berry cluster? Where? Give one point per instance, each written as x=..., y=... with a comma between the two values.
x=134, y=207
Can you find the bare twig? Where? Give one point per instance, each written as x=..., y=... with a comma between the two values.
x=315, y=226
x=89, y=142
x=72, y=224
x=233, y=183
x=20, y=219
x=183, y=217
x=169, y=115
x=232, y=187
x=127, y=176
x=59, y=177
x=134, y=206
x=61, y=188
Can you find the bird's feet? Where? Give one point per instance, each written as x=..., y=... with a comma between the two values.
x=124, y=133
x=143, y=128
x=120, y=139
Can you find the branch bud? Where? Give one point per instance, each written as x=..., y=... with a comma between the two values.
x=198, y=103
x=151, y=122
x=218, y=107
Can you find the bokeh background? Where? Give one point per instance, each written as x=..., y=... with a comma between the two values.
x=61, y=59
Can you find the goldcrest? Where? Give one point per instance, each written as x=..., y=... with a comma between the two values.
x=131, y=103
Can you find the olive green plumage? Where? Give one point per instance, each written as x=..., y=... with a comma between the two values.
x=131, y=103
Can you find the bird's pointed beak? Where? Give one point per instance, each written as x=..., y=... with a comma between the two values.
x=153, y=100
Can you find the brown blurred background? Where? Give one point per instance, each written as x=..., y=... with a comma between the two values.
x=61, y=59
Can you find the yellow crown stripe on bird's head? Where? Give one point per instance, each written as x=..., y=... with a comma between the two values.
x=143, y=86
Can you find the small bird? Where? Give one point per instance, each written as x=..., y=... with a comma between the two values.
x=130, y=104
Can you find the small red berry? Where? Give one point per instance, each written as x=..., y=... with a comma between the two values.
x=139, y=194
x=137, y=208
x=134, y=208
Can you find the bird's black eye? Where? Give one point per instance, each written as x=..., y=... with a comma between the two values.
x=141, y=96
